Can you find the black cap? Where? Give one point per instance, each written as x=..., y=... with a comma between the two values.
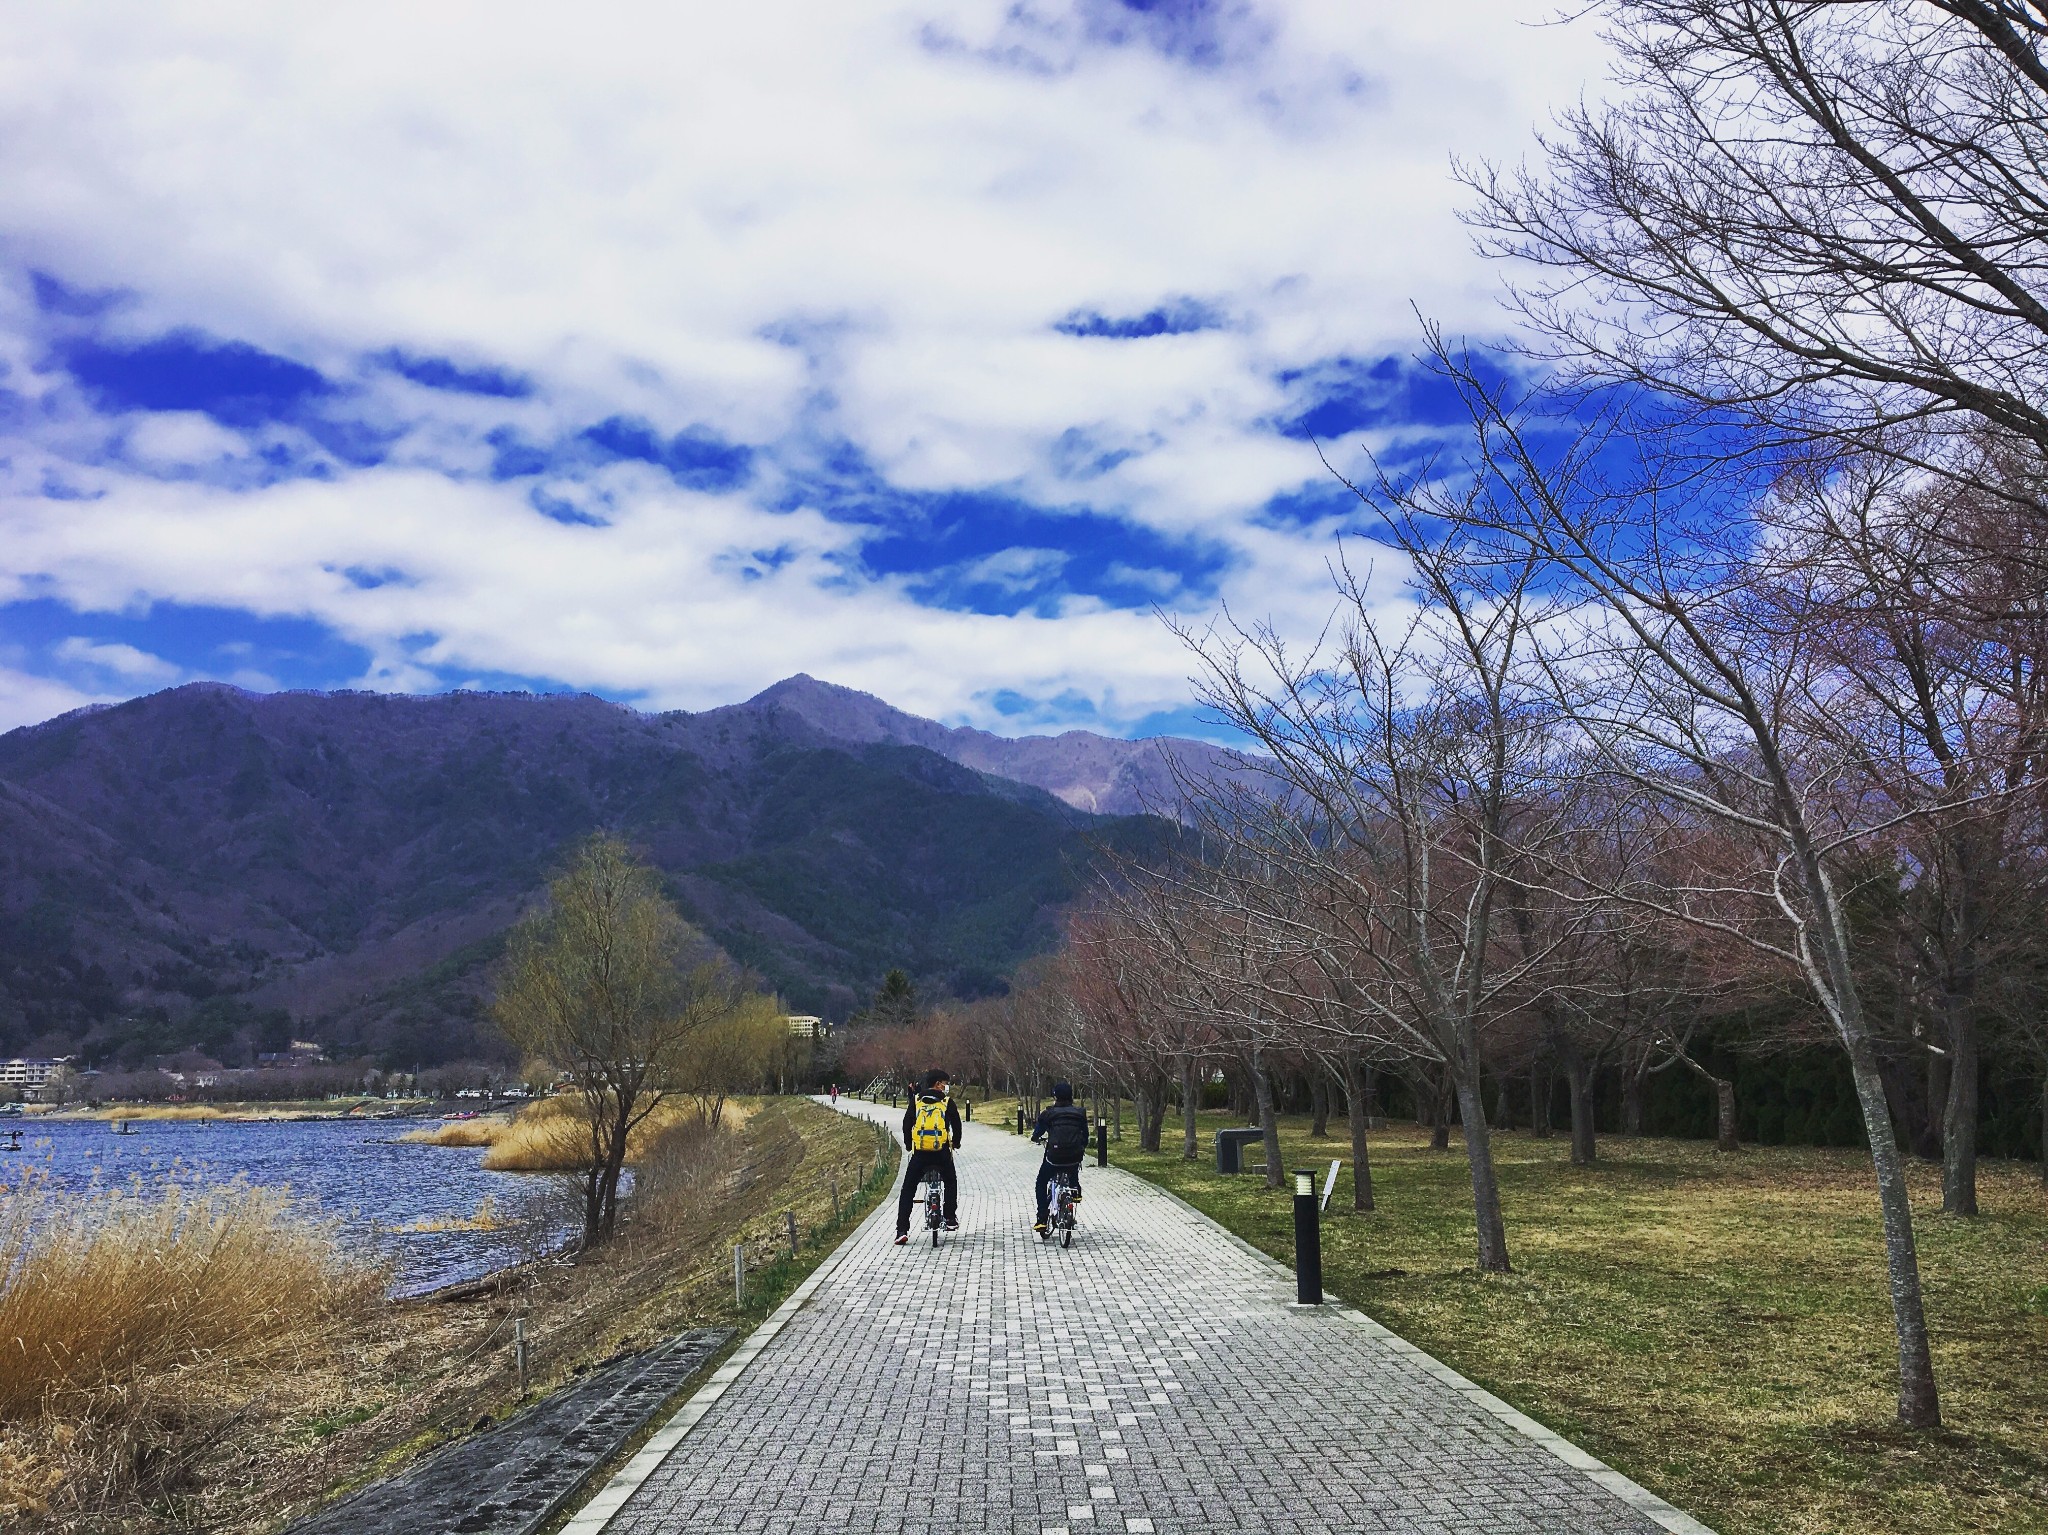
x=1063, y=1092
x=934, y=1077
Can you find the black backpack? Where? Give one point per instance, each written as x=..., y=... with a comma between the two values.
x=1066, y=1134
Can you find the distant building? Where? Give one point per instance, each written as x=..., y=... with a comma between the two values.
x=31, y=1071
x=40, y=1079
x=808, y=1026
x=303, y=1052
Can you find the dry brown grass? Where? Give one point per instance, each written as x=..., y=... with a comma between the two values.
x=236, y=1442
x=551, y=1136
x=166, y=1111
x=113, y=1304
x=461, y=1132
x=485, y=1217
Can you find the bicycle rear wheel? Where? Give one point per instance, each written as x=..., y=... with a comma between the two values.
x=1067, y=1230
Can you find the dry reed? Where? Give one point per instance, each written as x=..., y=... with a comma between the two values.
x=102, y=1290
x=461, y=1132
x=553, y=1136
x=486, y=1217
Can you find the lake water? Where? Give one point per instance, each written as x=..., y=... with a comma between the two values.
x=353, y=1171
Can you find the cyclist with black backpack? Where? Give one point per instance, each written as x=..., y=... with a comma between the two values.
x=931, y=1129
x=1064, y=1128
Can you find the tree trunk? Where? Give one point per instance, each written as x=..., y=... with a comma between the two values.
x=1190, y=1105
x=1634, y=1082
x=2044, y=1125
x=1440, y=1126
x=1928, y=1140
x=1116, y=1113
x=1269, y=1120
x=1539, y=1100
x=1959, y=1114
x=593, y=1203
x=1579, y=1081
x=1919, y=1405
x=1724, y=1103
x=1358, y=1104
x=1500, y=1117
x=1319, y=1103
x=1493, y=1236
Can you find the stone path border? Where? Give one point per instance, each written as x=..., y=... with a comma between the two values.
x=513, y=1477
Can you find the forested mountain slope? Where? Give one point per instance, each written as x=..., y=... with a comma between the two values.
x=176, y=869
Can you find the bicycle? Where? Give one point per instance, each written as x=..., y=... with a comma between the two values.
x=934, y=1203
x=1059, y=1215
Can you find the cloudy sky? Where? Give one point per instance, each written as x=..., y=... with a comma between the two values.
x=664, y=351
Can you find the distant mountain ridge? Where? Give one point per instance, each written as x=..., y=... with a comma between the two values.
x=202, y=865
x=1103, y=775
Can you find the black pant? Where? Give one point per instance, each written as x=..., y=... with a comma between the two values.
x=913, y=1179
x=1047, y=1171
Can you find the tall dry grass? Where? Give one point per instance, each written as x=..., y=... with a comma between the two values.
x=460, y=1132
x=552, y=1136
x=102, y=1291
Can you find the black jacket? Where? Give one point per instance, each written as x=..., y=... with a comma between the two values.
x=1047, y=1119
x=952, y=1119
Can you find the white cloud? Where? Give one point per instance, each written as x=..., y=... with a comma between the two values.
x=780, y=219
x=178, y=439
x=26, y=699
x=123, y=661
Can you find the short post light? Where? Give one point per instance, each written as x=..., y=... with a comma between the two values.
x=1308, y=1241
x=1102, y=1143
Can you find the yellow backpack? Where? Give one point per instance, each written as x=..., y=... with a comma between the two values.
x=928, y=1131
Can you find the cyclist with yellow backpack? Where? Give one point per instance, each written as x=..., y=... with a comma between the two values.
x=931, y=1129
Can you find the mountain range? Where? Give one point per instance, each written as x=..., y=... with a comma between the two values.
x=215, y=869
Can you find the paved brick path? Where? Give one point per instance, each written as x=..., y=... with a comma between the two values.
x=1153, y=1379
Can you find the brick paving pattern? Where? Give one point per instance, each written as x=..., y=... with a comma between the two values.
x=1153, y=1379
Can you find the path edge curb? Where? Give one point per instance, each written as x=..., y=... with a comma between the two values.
x=598, y=1513
x=1665, y=1515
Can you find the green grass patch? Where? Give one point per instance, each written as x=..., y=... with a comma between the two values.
x=1715, y=1327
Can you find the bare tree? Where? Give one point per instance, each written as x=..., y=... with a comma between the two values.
x=1927, y=603
x=1829, y=216
x=607, y=982
x=1687, y=690
x=1405, y=758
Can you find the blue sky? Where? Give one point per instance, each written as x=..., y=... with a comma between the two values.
x=930, y=348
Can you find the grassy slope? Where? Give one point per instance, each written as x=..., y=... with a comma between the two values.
x=1717, y=1328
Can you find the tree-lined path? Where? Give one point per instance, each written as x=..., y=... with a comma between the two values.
x=1153, y=1379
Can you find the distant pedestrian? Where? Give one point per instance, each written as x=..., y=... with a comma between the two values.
x=835, y=1095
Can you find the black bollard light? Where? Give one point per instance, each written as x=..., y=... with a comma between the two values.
x=1102, y=1143
x=1020, y=1119
x=1308, y=1242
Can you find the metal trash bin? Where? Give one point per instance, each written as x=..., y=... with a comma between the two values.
x=1230, y=1146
